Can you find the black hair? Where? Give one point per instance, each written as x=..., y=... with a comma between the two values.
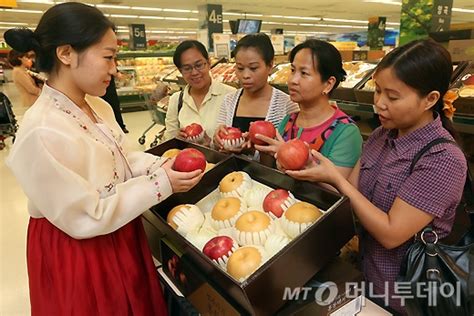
x=261, y=42
x=14, y=57
x=326, y=59
x=184, y=46
x=425, y=66
x=70, y=23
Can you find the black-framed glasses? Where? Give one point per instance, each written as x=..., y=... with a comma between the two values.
x=200, y=65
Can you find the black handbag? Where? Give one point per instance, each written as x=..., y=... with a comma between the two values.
x=440, y=276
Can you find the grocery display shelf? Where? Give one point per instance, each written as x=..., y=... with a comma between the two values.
x=132, y=54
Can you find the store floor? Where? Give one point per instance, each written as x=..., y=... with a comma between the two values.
x=14, y=297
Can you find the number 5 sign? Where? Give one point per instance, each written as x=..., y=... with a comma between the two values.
x=137, y=36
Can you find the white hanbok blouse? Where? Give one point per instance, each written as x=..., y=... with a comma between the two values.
x=79, y=174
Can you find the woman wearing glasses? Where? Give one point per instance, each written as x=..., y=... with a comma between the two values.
x=201, y=98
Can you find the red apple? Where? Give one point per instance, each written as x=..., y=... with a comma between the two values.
x=193, y=129
x=261, y=127
x=218, y=247
x=293, y=154
x=189, y=159
x=232, y=133
x=274, y=200
x=469, y=81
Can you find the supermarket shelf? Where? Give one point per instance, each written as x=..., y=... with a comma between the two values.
x=132, y=54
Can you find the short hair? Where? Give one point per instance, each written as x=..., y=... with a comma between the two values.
x=184, y=46
x=326, y=58
x=261, y=42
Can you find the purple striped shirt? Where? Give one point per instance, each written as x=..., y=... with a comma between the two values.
x=435, y=187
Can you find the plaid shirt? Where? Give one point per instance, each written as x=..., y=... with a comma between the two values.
x=435, y=186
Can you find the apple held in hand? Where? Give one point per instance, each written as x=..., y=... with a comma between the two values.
x=232, y=139
x=277, y=201
x=218, y=247
x=293, y=154
x=232, y=133
x=192, y=130
x=261, y=127
x=190, y=159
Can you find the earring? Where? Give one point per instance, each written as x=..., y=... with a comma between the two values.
x=324, y=93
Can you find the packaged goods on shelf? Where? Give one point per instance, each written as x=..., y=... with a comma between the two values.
x=356, y=71
x=174, y=75
x=463, y=86
x=225, y=72
x=280, y=74
x=126, y=81
x=147, y=69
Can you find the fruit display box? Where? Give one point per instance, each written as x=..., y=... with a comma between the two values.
x=150, y=221
x=212, y=156
x=262, y=292
x=357, y=73
x=464, y=86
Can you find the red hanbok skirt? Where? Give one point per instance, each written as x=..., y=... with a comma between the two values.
x=112, y=274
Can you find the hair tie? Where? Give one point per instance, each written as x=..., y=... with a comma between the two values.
x=448, y=108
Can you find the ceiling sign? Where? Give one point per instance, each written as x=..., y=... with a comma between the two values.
x=8, y=3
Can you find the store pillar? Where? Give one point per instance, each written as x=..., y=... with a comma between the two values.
x=421, y=17
x=210, y=22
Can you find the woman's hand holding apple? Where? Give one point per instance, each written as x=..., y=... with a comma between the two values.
x=181, y=181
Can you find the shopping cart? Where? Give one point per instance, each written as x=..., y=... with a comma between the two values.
x=157, y=110
x=8, y=123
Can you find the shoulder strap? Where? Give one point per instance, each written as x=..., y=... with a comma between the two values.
x=468, y=191
x=426, y=148
x=287, y=125
x=180, y=100
x=283, y=123
x=321, y=139
x=328, y=142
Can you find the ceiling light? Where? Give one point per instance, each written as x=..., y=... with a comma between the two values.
x=146, y=9
x=110, y=6
x=344, y=20
x=231, y=13
x=178, y=10
x=340, y=26
x=176, y=18
x=463, y=10
x=36, y=1
x=392, y=2
x=124, y=16
x=150, y=17
x=14, y=23
x=303, y=18
x=23, y=11
x=251, y=14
